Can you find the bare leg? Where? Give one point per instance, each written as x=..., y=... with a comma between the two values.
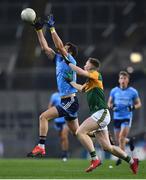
x=73, y=126
x=82, y=133
x=45, y=117
x=116, y=133
x=39, y=150
x=64, y=138
x=103, y=139
x=63, y=134
x=87, y=126
x=121, y=141
x=123, y=137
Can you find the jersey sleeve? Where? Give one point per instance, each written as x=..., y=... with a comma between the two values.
x=93, y=75
x=55, y=58
x=112, y=93
x=135, y=94
x=71, y=59
x=52, y=99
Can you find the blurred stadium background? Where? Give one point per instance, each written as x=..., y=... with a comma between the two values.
x=112, y=30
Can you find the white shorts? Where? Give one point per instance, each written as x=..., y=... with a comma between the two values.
x=102, y=117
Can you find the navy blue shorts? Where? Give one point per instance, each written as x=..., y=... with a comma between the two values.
x=122, y=123
x=68, y=108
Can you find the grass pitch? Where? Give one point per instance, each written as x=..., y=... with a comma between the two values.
x=72, y=169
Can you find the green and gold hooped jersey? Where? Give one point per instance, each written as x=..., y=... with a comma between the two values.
x=94, y=91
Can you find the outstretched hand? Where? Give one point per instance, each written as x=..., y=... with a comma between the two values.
x=38, y=24
x=50, y=21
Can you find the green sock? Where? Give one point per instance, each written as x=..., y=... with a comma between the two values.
x=127, y=159
x=93, y=155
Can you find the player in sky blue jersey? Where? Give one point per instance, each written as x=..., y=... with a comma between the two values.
x=60, y=126
x=69, y=102
x=61, y=70
x=123, y=100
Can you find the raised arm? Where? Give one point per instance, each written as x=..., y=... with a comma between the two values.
x=38, y=25
x=56, y=39
x=79, y=87
x=77, y=69
x=69, y=80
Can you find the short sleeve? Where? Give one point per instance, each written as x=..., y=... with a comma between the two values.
x=112, y=93
x=52, y=99
x=135, y=94
x=93, y=75
x=71, y=59
x=56, y=57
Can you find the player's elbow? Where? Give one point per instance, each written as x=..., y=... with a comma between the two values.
x=43, y=48
x=110, y=106
x=46, y=50
x=82, y=89
x=61, y=50
x=139, y=105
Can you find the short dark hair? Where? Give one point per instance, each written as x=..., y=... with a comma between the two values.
x=73, y=49
x=95, y=62
x=124, y=73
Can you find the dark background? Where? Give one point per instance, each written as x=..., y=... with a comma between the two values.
x=104, y=29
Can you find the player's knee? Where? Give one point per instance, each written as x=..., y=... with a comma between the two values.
x=81, y=131
x=42, y=117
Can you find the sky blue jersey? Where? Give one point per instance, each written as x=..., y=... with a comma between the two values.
x=56, y=100
x=62, y=69
x=122, y=98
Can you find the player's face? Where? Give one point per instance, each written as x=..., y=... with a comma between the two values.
x=123, y=81
x=66, y=47
x=88, y=66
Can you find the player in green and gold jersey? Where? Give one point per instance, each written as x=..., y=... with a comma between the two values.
x=100, y=116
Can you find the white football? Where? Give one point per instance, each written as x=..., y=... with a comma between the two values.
x=28, y=15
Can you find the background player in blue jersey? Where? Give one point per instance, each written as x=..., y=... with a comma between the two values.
x=60, y=126
x=123, y=100
x=69, y=102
